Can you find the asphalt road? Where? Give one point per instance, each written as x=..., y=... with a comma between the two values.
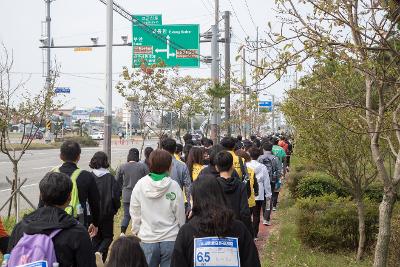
x=36, y=163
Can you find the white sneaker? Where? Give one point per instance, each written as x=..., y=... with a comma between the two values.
x=255, y=239
x=122, y=235
x=265, y=221
x=268, y=223
x=274, y=209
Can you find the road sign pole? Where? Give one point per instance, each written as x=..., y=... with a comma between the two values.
x=108, y=106
x=228, y=71
x=215, y=80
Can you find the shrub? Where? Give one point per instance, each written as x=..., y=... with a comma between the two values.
x=374, y=192
x=293, y=179
x=84, y=141
x=317, y=184
x=394, y=252
x=331, y=223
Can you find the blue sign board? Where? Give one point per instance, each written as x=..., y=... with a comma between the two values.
x=265, y=104
x=62, y=90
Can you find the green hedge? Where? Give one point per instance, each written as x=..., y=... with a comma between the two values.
x=317, y=184
x=293, y=179
x=84, y=141
x=330, y=223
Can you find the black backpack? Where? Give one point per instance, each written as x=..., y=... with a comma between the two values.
x=271, y=166
x=246, y=179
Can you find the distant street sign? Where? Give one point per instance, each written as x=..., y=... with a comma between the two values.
x=150, y=20
x=62, y=90
x=175, y=45
x=264, y=104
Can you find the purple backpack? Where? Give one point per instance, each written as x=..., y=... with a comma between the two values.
x=32, y=248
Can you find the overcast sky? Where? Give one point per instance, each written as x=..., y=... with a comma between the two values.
x=75, y=21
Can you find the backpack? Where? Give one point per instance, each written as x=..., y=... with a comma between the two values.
x=269, y=163
x=33, y=248
x=246, y=179
x=72, y=208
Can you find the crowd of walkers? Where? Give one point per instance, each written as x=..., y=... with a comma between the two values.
x=191, y=204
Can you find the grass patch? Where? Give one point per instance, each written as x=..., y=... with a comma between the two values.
x=284, y=248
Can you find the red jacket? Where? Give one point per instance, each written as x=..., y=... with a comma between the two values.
x=3, y=232
x=283, y=145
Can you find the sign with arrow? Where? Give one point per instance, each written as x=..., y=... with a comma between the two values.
x=176, y=45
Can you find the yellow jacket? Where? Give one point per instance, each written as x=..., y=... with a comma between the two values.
x=196, y=170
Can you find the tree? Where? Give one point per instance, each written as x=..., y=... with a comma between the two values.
x=342, y=153
x=142, y=87
x=364, y=35
x=19, y=104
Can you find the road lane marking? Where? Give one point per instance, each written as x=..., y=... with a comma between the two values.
x=24, y=186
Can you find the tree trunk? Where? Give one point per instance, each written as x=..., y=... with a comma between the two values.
x=385, y=216
x=16, y=196
x=361, y=227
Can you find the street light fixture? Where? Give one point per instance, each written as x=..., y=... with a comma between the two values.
x=124, y=39
x=94, y=40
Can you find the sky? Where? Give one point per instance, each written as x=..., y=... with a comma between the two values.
x=74, y=22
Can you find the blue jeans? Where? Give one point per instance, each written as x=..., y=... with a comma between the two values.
x=127, y=217
x=158, y=254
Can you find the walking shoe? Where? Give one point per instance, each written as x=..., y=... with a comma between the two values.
x=122, y=235
x=255, y=239
x=267, y=223
x=274, y=209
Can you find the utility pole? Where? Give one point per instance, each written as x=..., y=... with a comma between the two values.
x=108, y=106
x=48, y=50
x=215, y=76
x=273, y=113
x=228, y=70
x=244, y=92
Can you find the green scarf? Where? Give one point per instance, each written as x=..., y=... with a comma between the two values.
x=158, y=177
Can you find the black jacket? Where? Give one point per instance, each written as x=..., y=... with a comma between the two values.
x=209, y=171
x=110, y=197
x=72, y=245
x=236, y=194
x=87, y=191
x=182, y=255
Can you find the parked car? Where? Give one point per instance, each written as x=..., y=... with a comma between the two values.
x=97, y=135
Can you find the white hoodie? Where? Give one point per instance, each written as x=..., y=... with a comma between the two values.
x=157, y=209
x=264, y=186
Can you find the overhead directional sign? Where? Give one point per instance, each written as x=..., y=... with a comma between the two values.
x=175, y=45
x=150, y=20
x=62, y=90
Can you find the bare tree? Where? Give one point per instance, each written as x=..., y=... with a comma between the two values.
x=19, y=105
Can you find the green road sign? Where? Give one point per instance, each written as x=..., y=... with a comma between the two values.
x=155, y=19
x=175, y=45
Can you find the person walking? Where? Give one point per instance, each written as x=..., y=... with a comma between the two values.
x=128, y=175
x=264, y=187
x=211, y=168
x=84, y=187
x=212, y=221
x=145, y=161
x=274, y=168
x=157, y=210
x=110, y=202
x=72, y=245
x=195, y=162
x=179, y=171
x=234, y=190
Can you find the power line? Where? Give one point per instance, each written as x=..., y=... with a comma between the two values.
x=205, y=6
x=237, y=18
x=251, y=16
